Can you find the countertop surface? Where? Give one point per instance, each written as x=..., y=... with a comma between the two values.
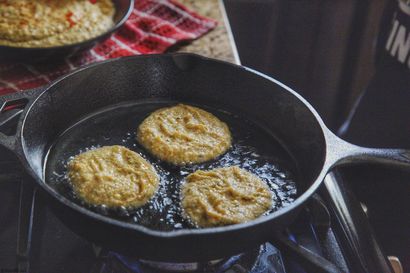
x=219, y=42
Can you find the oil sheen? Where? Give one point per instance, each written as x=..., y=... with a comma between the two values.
x=253, y=149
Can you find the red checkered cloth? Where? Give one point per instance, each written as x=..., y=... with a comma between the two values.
x=153, y=27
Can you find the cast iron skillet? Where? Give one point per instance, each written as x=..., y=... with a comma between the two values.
x=123, y=9
x=179, y=77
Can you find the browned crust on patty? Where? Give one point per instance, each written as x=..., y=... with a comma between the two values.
x=184, y=134
x=224, y=196
x=113, y=176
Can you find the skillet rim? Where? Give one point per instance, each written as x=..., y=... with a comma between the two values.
x=264, y=219
x=81, y=44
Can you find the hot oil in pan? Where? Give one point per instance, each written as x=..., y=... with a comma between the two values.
x=253, y=149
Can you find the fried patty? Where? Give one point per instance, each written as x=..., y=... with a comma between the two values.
x=113, y=176
x=184, y=134
x=45, y=23
x=224, y=196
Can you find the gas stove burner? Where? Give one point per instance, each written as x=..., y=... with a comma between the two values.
x=265, y=258
x=187, y=267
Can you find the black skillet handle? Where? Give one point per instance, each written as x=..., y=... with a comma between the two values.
x=341, y=152
x=12, y=106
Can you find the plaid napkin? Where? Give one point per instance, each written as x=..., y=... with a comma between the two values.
x=153, y=27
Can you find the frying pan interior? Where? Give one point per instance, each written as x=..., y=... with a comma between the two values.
x=252, y=148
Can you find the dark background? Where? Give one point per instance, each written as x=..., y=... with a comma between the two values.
x=322, y=49
x=326, y=50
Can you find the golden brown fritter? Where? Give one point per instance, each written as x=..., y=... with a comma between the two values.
x=113, y=176
x=224, y=196
x=184, y=134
